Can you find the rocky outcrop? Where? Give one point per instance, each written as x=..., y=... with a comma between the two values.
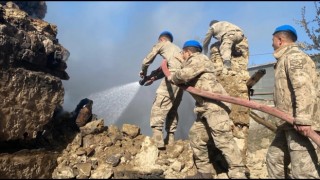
x=30, y=43
x=32, y=64
x=27, y=164
x=29, y=99
x=36, y=9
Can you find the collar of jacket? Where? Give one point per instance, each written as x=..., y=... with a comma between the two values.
x=192, y=55
x=280, y=51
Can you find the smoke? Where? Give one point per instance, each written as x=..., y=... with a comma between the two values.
x=35, y=9
x=107, y=42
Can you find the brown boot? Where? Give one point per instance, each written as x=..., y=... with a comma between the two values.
x=169, y=139
x=158, y=138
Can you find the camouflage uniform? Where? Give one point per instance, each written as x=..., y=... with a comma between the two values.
x=295, y=94
x=212, y=117
x=168, y=96
x=234, y=82
x=229, y=35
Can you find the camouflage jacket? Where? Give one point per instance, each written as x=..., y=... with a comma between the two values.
x=295, y=80
x=168, y=51
x=217, y=30
x=198, y=71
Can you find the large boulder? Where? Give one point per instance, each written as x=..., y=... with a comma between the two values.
x=32, y=64
x=29, y=99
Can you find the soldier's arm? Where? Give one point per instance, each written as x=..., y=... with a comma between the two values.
x=207, y=40
x=189, y=71
x=299, y=75
x=151, y=56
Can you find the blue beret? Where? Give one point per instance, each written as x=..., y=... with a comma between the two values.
x=192, y=43
x=213, y=22
x=286, y=28
x=168, y=34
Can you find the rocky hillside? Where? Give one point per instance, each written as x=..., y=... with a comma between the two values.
x=98, y=151
x=32, y=64
x=122, y=152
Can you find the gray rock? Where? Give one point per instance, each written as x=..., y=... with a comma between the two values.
x=130, y=130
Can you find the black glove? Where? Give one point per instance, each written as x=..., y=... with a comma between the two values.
x=142, y=73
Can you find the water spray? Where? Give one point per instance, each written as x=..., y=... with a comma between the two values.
x=111, y=103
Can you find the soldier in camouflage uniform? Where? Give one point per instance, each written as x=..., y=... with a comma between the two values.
x=295, y=94
x=212, y=116
x=168, y=96
x=230, y=37
x=234, y=82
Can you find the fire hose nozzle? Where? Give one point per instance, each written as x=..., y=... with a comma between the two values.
x=142, y=81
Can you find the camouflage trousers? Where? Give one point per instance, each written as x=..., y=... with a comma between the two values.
x=165, y=106
x=233, y=42
x=218, y=126
x=288, y=147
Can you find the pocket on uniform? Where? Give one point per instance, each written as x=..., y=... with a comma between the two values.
x=220, y=121
x=165, y=101
x=299, y=142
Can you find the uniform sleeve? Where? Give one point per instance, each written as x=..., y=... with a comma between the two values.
x=300, y=80
x=151, y=56
x=189, y=71
x=207, y=40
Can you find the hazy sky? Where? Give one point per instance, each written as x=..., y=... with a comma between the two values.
x=108, y=40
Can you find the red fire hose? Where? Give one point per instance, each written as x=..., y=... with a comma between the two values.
x=314, y=136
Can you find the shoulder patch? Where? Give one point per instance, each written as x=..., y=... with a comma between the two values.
x=296, y=62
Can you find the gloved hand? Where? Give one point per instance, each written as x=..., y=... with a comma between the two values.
x=305, y=130
x=150, y=81
x=227, y=64
x=142, y=73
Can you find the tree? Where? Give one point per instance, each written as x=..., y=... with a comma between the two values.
x=312, y=28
